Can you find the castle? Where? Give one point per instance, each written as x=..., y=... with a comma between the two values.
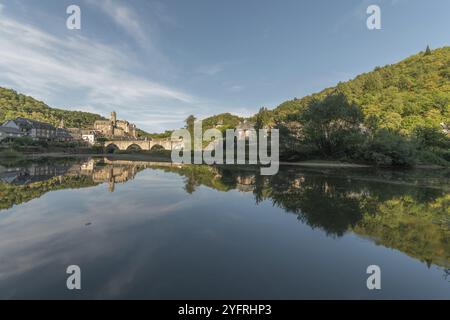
x=115, y=128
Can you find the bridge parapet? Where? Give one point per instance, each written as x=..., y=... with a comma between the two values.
x=166, y=144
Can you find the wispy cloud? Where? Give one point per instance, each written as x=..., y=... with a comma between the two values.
x=96, y=75
x=210, y=70
x=236, y=88
x=125, y=17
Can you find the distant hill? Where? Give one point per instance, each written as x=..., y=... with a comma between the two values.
x=13, y=105
x=222, y=121
x=414, y=92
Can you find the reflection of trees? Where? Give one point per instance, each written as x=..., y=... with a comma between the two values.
x=402, y=216
x=317, y=202
x=190, y=185
x=420, y=229
x=447, y=274
x=196, y=176
x=11, y=194
x=27, y=181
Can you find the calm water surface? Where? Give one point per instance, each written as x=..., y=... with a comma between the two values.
x=158, y=231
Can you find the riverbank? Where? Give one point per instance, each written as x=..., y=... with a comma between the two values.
x=165, y=156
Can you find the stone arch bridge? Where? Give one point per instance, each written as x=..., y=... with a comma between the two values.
x=166, y=144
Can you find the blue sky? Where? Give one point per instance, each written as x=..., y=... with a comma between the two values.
x=156, y=62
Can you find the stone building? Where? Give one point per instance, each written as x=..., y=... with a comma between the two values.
x=6, y=132
x=115, y=128
x=89, y=136
x=63, y=135
x=35, y=129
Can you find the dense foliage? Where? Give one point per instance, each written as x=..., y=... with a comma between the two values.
x=163, y=135
x=394, y=115
x=221, y=121
x=412, y=93
x=13, y=105
x=11, y=195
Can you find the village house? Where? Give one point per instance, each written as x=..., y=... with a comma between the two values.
x=89, y=136
x=6, y=132
x=75, y=133
x=63, y=135
x=244, y=129
x=35, y=129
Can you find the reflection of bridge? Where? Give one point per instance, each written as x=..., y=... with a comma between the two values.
x=144, y=164
x=152, y=144
x=117, y=171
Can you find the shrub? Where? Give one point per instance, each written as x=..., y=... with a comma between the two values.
x=427, y=137
x=390, y=148
x=430, y=157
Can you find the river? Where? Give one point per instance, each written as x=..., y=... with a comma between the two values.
x=142, y=230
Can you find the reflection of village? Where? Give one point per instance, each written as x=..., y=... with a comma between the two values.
x=110, y=174
x=101, y=170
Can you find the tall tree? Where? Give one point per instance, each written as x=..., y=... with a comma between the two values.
x=262, y=118
x=190, y=122
x=328, y=123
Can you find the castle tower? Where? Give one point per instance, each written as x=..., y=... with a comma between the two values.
x=113, y=118
x=133, y=132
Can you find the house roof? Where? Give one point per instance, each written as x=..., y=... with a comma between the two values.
x=63, y=133
x=9, y=130
x=33, y=124
x=245, y=126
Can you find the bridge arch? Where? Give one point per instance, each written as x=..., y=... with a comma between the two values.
x=112, y=148
x=151, y=144
x=157, y=147
x=134, y=147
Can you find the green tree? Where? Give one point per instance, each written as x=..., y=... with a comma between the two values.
x=389, y=148
x=262, y=118
x=431, y=137
x=329, y=122
x=190, y=121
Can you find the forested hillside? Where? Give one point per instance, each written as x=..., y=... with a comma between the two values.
x=13, y=105
x=395, y=115
x=402, y=96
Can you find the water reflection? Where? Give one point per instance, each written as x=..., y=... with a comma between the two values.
x=23, y=182
x=406, y=211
